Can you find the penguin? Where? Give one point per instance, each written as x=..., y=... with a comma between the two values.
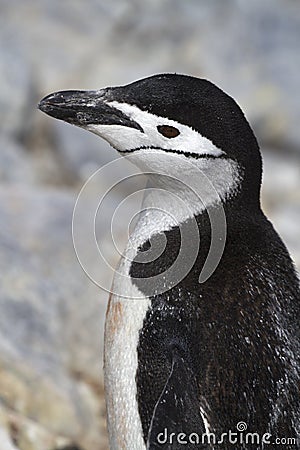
x=189, y=362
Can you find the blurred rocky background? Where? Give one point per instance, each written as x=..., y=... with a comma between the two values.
x=51, y=314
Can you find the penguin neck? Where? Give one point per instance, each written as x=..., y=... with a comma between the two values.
x=169, y=204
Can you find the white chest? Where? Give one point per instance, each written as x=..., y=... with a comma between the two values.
x=124, y=320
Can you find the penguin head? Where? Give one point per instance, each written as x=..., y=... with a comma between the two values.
x=169, y=115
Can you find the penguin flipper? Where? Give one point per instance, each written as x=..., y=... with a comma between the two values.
x=177, y=411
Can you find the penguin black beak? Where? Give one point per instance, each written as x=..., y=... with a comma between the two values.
x=83, y=108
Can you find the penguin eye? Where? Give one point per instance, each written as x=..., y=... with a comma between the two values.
x=167, y=131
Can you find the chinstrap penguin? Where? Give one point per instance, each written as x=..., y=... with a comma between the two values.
x=187, y=358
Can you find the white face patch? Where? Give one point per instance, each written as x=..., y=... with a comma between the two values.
x=176, y=157
x=126, y=139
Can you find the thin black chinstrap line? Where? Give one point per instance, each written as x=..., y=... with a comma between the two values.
x=179, y=152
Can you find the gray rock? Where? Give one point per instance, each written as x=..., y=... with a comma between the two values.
x=281, y=197
x=15, y=165
x=51, y=318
